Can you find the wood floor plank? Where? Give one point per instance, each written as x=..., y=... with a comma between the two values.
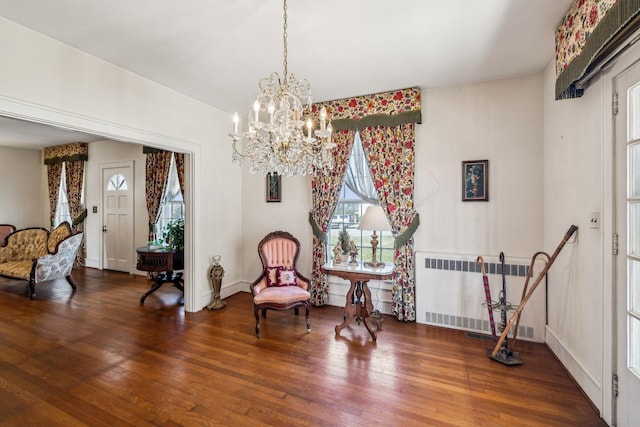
x=96, y=357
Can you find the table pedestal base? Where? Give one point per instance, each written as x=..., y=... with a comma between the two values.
x=163, y=278
x=359, y=307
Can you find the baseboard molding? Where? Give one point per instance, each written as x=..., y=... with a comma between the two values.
x=227, y=290
x=92, y=263
x=590, y=385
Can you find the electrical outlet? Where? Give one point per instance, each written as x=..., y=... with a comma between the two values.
x=594, y=220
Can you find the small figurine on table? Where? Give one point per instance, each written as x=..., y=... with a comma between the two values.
x=337, y=255
x=353, y=252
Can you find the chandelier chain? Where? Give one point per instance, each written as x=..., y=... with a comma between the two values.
x=284, y=39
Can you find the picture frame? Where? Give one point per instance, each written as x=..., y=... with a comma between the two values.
x=274, y=187
x=475, y=181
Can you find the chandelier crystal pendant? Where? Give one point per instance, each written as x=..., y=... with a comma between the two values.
x=278, y=139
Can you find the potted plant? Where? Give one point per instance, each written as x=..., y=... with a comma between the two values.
x=173, y=237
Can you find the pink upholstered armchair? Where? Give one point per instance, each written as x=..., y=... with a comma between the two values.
x=280, y=286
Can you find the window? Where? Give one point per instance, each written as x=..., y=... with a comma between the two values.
x=356, y=194
x=63, y=213
x=172, y=207
x=117, y=182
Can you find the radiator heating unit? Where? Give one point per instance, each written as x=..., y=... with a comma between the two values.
x=450, y=293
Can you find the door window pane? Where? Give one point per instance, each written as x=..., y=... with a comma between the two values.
x=633, y=95
x=634, y=170
x=634, y=345
x=117, y=182
x=633, y=289
x=634, y=228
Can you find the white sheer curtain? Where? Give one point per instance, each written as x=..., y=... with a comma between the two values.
x=172, y=188
x=358, y=178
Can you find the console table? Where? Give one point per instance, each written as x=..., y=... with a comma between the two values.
x=164, y=262
x=358, y=305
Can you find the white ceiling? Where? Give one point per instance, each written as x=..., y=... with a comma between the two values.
x=218, y=50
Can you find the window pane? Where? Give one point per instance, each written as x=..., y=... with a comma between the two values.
x=633, y=169
x=634, y=228
x=633, y=356
x=633, y=95
x=117, y=182
x=634, y=286
x=172, y=206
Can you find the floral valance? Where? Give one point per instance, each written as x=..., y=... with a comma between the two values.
x=588, y=30
x=391, y=108
x=66, y=153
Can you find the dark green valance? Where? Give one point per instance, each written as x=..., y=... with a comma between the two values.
x=151, y=150
x=378, y=120
x=618, y=23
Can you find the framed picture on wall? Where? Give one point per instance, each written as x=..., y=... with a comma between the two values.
x=475, y=181
x=274, y=187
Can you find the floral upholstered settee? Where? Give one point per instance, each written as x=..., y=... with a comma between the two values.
x=38, y=255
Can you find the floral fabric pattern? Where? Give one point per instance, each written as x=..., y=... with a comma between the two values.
x=58, y=265
x=179, y=158
x=65, y=153
x=157, y=170
x=25, y=245
x=390, y=152
x=575, y=29
x=389, y=103
x=57, y=235
x=392, y=168
x=74, y=174
x=54, y=175
x=325, y=190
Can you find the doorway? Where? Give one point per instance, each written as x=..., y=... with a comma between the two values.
x=117, y=216
x=626, y=358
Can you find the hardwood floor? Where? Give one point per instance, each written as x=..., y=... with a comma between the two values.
x=99, y=358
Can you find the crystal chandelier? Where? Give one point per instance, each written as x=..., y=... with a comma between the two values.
x=276, y=138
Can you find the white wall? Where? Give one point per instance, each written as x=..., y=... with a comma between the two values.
x=573, y=188
x=20, y=175
x=52, y=83
x=259, y=218
x=500, y=121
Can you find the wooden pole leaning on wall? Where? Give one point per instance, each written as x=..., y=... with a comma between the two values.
x=526, y=297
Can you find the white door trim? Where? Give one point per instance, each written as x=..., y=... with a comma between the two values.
x=609, y=341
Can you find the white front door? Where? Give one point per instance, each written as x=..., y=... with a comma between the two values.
x=627, y=264
x=117, y=217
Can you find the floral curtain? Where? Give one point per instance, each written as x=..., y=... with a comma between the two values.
x=156, y=171
x=386, y=122
x=54, y=175
x=390, y=151
x=179, y=159
x=74, y=174
x=325, y=189
x=73, y=155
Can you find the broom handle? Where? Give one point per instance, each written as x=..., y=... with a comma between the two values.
x=544, y=271
x=524, y=293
